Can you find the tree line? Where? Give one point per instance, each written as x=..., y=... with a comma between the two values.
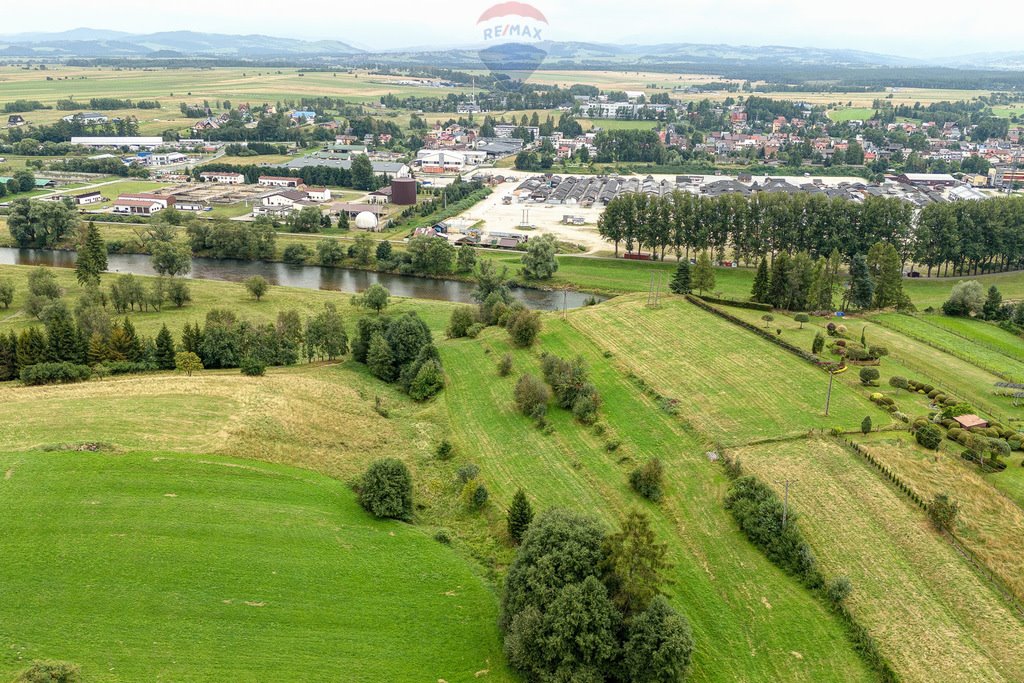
x=750, y=227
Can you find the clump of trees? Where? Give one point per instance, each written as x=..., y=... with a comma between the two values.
x=571, y=385
x=41, y=225
x=583, y=605
x=400, y=349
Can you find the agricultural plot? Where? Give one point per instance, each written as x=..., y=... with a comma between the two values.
x=1000, y=355
x=990, y=524
x=178, y=567
x=931, y=615
x=907, y=357
x=731, y=385
x=981, y=333
x=750, y=621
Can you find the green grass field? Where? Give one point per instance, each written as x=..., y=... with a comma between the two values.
x=751, y=622
x=730, y=384
x=143, y=566
x=973, y=341
x=851, y=114
x=930, y=612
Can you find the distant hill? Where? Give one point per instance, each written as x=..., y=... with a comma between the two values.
x=86, y=42
x=98, y=43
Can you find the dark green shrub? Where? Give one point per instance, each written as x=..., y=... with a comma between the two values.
x=865, y=425
x=296, y=254
x=461, y=320
x=253, y=367
x=520, y=515
x=441, y=535
x=50, y=672
x=524, y=328
x=467, y=473
x=838, y=589
x=942, y=512
x=55, y=373
x=898, y=382
x=929, y=436
x=386, y=490
x=505, y=365
x=647, y=479
x=474, y=330
x=444, y=450
x=869, y=376
x=474, y=495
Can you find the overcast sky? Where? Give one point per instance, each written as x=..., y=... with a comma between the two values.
x=907, y=27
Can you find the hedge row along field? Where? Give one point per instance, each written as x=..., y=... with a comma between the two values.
x=930, y=613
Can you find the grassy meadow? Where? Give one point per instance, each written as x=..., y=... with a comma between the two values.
x=180, y=567
x=729, y=384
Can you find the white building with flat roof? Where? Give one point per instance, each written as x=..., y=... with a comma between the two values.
x=133, y=142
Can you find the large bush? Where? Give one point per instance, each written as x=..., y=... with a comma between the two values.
x=55, y=373
x=647, y=479
x=532, y=396
x=569, y=380
x=524, y=327
x=50, y=672
x=967, y=298
x=929, y=436
x=386, y=490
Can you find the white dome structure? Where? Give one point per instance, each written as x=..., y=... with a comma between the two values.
x=366, y=221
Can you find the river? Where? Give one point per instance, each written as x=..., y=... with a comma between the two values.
x=306, y=277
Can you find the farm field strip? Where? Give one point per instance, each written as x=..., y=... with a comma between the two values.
x=990, y=524
x=748, y=617
x=932, y=615
x=731, y=385
x=930, y=331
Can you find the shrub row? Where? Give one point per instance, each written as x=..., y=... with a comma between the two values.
x=889, y=474
x=55, y=373
x=751, y=305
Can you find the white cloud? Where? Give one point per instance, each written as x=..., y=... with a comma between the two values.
x=911, y=27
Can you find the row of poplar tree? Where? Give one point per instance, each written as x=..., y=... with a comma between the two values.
x=962, y=236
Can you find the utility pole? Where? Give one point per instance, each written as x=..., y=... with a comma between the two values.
x=565, y=295
x=785, y=505
x=828, y=396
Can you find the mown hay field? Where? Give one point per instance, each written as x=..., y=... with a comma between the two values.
x=932, y=615
x=990, y=524
x=730, y=384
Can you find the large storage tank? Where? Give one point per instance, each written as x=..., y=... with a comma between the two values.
x=403, y=191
